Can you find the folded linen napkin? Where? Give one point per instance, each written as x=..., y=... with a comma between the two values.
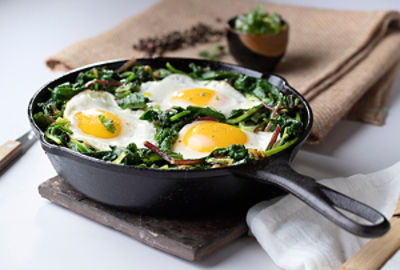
x=297, y=237
x=338, y=59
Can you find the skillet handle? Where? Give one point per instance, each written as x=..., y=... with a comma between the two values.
x=323, y=199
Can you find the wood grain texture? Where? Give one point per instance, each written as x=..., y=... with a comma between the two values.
x=8, y=152
x=377, y=252
x=268, y=44
x=190, y=239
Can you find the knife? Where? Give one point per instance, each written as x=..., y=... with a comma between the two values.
x=375, y=253
x=10, y=150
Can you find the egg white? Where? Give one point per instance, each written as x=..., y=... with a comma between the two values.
x=132, y=128
x=259, y=141
x=227, y=98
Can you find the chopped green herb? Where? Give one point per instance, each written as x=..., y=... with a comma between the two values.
x=133, y=101
x=108, y=123
x=259, y=22
x=215, y=54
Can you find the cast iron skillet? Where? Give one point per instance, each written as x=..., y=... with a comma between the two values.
x=172, y=192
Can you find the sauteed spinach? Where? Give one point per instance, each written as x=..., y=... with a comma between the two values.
x=276, y=112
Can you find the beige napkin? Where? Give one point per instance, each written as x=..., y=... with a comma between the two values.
x=344, y=62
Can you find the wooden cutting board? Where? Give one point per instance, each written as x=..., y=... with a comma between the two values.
x=374, y=254
x=190, y=239
x=195, y=238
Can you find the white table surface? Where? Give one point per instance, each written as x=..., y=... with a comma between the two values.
x=35, y=234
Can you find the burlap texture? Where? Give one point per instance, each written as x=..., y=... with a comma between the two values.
x=341, y=61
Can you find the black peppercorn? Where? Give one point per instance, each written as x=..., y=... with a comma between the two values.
x=174, y=40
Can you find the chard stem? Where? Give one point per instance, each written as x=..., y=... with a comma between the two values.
x=178, y=115
x=245, y=115
x=120, y=158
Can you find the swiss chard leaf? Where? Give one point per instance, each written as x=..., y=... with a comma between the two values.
x=133, y=101
x=64, y=92
x=129, y=155
x=80, y=147
x=234, y=151
x=206, y=112
x=42, y=120
x=244, y=83
x=58, y=132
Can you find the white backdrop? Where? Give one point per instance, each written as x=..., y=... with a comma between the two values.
x=35, y=234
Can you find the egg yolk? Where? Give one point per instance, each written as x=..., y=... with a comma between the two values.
x=92, y=125
x=196, y=96
x=206, y=136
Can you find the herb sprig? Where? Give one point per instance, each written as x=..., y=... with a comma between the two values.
x=215, y=54
x=108, y=123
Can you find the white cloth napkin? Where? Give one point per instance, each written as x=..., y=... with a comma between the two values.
x=297, y=237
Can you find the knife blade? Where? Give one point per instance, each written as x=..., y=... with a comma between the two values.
x=10, y=150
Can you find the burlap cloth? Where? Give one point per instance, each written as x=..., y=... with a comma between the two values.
x=343, y=62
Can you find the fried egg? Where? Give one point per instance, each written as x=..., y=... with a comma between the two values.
x=181, y=90
x=198, y=139
x=85, y=110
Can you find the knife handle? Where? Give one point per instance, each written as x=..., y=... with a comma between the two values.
x=8, y=152
x=375, y=253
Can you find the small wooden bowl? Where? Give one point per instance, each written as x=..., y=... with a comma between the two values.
x=257, y=51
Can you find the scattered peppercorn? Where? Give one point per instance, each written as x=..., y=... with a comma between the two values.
x=158, y=45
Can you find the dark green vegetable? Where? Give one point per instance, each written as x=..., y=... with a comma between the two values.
x=259, y=22
x=80, y=146
x=42, y=120
x=179, y=115
x=129, y=155
x=275, y=112
x=64, y=92
x=58, y=132
x=244, y=83
x=235, y=151
x=244, y=115
x=173, y=69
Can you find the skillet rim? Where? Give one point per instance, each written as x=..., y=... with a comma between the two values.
x=64, y=151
